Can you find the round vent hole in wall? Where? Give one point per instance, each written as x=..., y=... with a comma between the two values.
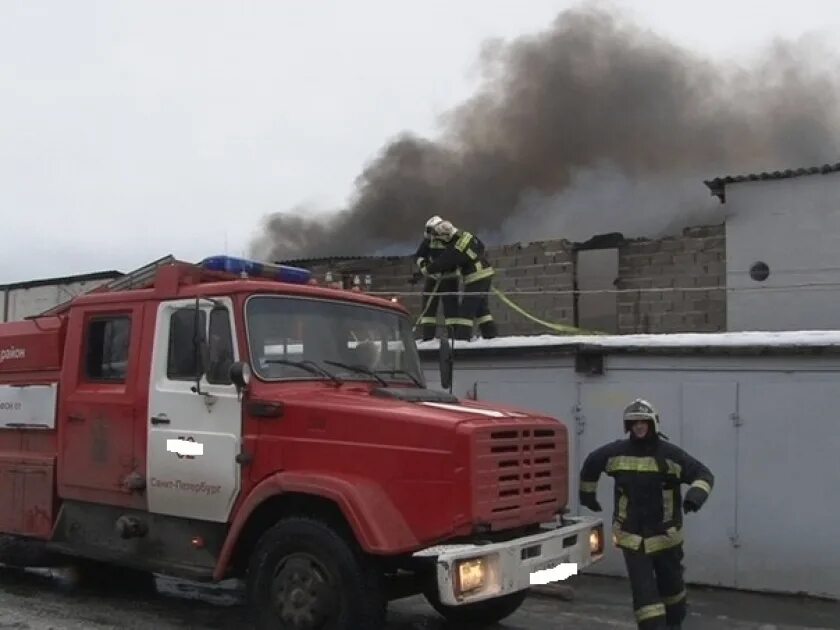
x=759, y=271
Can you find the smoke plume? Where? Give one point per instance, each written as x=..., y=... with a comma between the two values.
x=595, y=125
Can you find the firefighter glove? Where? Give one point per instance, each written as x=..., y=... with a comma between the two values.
x=694, y=499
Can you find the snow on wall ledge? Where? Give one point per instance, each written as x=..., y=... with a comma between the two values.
x=676, y=341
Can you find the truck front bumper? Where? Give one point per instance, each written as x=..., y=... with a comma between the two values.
x=469, y=573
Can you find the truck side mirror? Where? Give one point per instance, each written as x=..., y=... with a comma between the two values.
x=445, y=364
x=240, y=376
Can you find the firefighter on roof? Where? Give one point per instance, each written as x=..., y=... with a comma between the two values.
x=441, y=287
x=647, y=513
x=465, y=252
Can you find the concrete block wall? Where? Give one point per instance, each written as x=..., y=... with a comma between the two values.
x=673, y=284
x=539, y=277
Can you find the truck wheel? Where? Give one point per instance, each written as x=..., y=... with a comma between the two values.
x=303, y=575
x=479, y=614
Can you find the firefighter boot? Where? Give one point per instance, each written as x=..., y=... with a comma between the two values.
x=488, y=328
x=463, y=332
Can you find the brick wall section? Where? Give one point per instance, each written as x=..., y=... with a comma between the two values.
x=539, y=277
x=532, y=268
x=692, y=261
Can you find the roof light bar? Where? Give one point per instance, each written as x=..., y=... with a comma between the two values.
x=252, y=268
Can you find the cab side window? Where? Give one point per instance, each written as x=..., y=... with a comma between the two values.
x=220, y=348
x=106, y=352
x=184, y=359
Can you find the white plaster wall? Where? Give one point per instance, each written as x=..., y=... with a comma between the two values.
x=793, y=225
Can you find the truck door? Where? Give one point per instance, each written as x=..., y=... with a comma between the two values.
x=195, y=417
x=98, y=449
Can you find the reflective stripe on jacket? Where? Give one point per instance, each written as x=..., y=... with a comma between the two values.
x=648, y=475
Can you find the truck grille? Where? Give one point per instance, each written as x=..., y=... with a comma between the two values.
x=520, y=473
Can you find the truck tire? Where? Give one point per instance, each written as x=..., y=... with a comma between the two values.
x=480, y=614
x=303, y=575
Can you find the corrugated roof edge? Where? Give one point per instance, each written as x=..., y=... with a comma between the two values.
x=82, y=277
x=717, y=186
x=752, y=342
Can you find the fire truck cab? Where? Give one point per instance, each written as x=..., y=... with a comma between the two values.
x=230, y=419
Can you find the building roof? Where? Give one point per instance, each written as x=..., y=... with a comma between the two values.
x=298, y=262
x=141, y=276
x=718, y=184
x=84, y=277
x=724, y=343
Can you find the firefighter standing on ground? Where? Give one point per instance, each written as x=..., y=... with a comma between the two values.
x=465, y=252
x=647, y=518
x=437, y=287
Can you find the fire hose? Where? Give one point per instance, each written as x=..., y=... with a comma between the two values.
x=562, y=328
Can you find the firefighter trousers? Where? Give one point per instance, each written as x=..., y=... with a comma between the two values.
x=656, y=582
x=431, y=300
x=475, y=309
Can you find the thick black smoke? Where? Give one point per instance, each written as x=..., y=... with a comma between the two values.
x=595, y=125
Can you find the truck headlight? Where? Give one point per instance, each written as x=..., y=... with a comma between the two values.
x=596, y=541
x=472, y=574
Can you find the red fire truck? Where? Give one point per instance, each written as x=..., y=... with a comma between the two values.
x=229, y=419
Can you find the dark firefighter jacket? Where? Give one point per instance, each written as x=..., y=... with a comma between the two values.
x=428, y=251
x=464, y=253
x=647, y=510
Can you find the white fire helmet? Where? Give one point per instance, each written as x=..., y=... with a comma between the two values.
x=641, y=409
x=431, y=224
x=445, y=230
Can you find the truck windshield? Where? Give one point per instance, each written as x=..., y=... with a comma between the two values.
x=328, y=332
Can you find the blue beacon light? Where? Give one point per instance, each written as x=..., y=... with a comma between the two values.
x=239, y=266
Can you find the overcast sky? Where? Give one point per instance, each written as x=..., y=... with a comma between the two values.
x=131, y=130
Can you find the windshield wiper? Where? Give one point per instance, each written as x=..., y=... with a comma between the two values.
x=309, y=366
x=408, y=374
x=359, y=368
